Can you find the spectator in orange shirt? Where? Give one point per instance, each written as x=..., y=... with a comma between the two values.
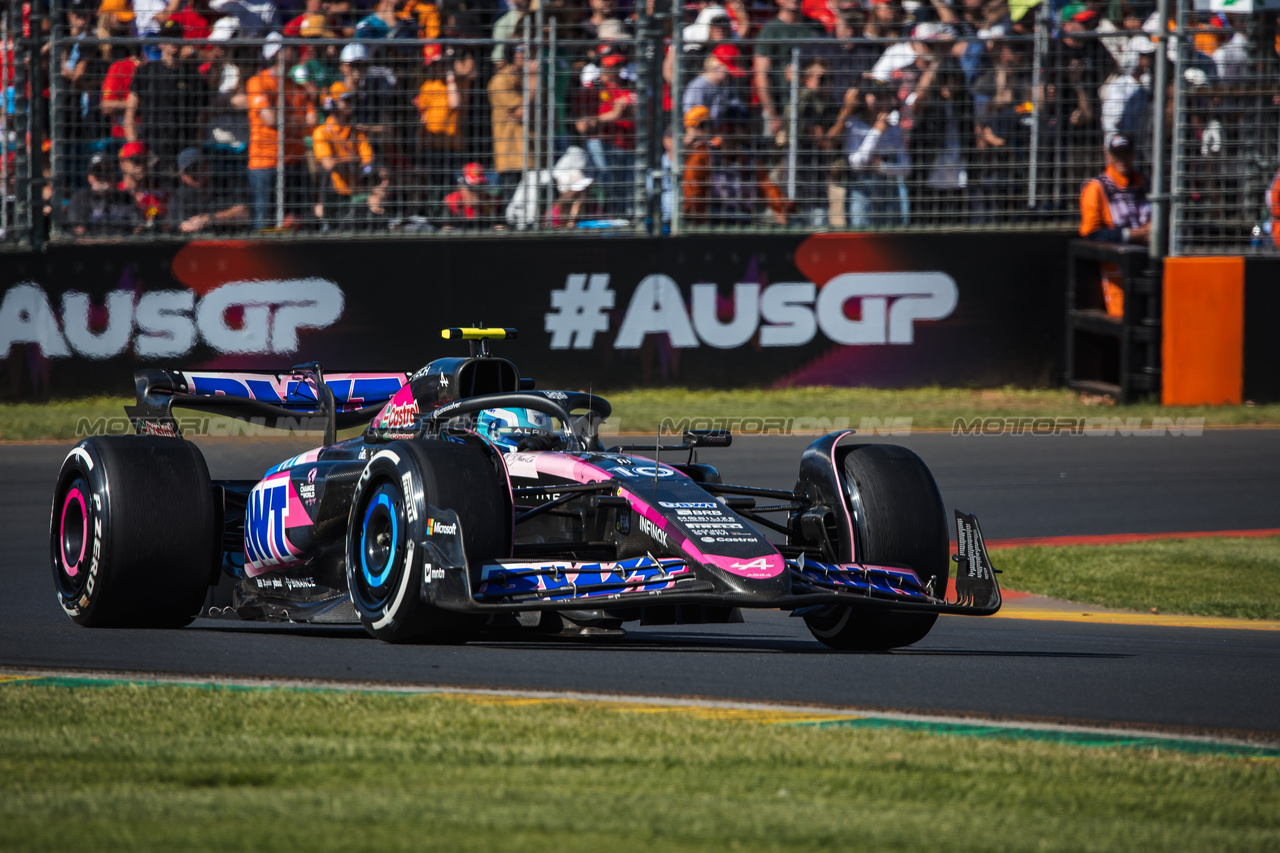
x=277, y=103
x=343, y=152
x=1114, y=208
x=440, y=102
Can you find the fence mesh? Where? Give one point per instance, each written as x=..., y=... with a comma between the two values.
x=15, y=162
x=1226, y=139
x=409, y=117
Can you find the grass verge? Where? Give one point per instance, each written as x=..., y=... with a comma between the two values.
x=162, y=768
x=1235, y=577
x=644, y=410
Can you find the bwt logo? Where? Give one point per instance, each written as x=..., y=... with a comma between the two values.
x=784, y=314
x=167, y=323
x=265, y=543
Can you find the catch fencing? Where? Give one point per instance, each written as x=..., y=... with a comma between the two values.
x=1226, y=135
x=653, y=127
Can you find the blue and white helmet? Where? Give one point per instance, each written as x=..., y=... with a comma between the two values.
x=506, y=428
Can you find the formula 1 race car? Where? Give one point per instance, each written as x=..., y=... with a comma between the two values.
x=473, y=503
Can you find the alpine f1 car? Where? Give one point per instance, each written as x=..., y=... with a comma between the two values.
x=473, y=502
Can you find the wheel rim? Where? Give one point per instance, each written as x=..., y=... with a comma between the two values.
x=379, y=547
x=71, y=538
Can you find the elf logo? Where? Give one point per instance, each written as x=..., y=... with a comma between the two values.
x=434, y=527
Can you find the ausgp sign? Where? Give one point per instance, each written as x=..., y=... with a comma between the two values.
x=168, y=323
x=784, y=314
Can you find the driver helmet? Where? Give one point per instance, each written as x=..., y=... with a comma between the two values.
x=508, y=428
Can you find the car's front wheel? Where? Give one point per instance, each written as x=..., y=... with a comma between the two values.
x=388, y=525
x=899, y=521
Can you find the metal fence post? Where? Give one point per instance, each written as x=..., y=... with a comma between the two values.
x=549, y=137
x=56, y=120
x=793, y=124
x=646, y=162
x=527, y=179
x=21, y=126
x=1037, y=88
x=1159, y=198
x=1177, y=176
x=6, y=22
x=676, y=170
x=280, y=131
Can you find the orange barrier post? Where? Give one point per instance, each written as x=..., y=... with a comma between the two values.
x=1203, y=346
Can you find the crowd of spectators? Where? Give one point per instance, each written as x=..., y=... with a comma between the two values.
x=328, y=115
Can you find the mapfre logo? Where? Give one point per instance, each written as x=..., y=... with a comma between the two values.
x=783, y=314
x=237, y=318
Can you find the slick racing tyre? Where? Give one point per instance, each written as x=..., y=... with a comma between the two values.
x=387, y=527
x=132, y=535
x=900, y=521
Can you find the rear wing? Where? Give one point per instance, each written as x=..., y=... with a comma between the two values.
x=342, y=400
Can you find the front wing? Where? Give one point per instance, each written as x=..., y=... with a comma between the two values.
x=516, y=585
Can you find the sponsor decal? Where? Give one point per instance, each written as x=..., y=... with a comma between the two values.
x=410, y=505
x=169, y=323
x=783, y=314
x=307, y=490
x=97, y=551
x=431, y=573
x=399, y=415
x=642, y=471
x=285, y=583
x=688, y=504
x=434, y=527
x=349, y=389
x=265, y=543
x=656, y=533
x=156, y=426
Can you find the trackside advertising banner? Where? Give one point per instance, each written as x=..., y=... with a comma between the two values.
x=829, y=309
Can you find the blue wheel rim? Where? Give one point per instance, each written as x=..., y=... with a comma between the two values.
x=377, y=580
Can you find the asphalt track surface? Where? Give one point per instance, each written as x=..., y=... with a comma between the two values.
x=1178, y=678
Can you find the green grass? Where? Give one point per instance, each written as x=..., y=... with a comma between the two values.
x=1237, y=577
x=170, y=768
x=644, y=410
x=928, y=408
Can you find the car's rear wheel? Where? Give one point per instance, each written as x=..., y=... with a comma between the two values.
x=899, y=521
x=388, y=524
x=132, y=532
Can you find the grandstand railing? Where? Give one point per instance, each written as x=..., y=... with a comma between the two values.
x=545, y=131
